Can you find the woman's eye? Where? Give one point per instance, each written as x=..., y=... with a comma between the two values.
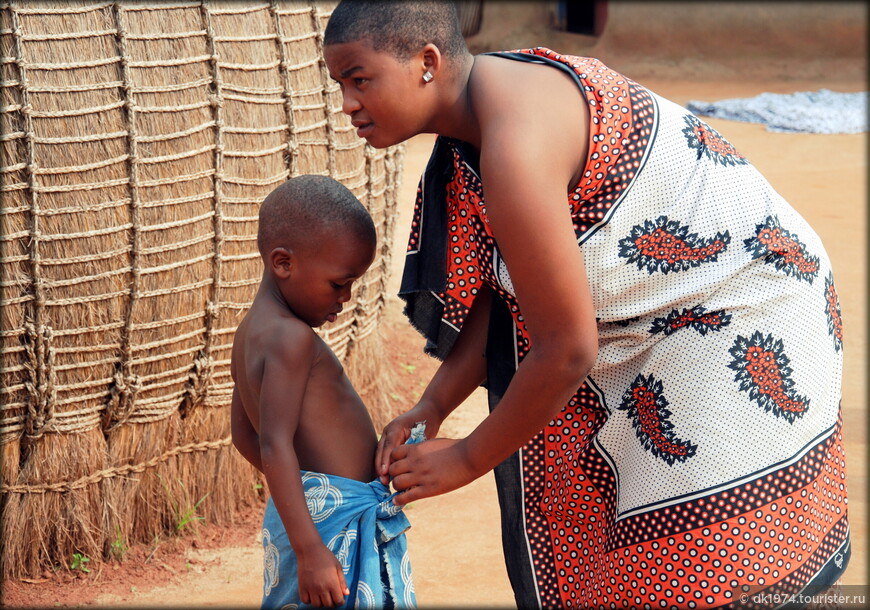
x=360, y=81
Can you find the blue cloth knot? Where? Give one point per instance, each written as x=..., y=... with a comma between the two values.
x=360, y=524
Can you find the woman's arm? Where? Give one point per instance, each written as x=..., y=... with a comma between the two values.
x=464, y=369
x=532, y=144
x=462, y=372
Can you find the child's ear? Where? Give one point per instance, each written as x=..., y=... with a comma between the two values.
x=281, y=261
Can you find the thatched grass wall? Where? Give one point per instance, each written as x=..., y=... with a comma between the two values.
x=137, y=143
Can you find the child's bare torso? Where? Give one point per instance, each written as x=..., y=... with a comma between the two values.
x=334, y=434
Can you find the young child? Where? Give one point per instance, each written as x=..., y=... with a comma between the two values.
x=332, y=535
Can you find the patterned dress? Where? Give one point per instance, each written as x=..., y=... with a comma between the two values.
x=702, y=459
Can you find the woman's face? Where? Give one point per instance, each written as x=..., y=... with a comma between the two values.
x=382, y=94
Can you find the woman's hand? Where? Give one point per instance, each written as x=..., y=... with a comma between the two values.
x=399, y=430
x=429, y=469
x=459, y=375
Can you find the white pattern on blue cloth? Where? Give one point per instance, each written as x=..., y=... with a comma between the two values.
x=364, y=530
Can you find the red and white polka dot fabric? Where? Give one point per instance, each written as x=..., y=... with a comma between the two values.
x=703, y=454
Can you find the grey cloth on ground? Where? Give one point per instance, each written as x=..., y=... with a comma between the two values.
x=822, y=111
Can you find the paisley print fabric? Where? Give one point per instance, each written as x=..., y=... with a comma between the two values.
x=703, y=454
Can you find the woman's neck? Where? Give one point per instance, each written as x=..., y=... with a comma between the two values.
x=454, y=115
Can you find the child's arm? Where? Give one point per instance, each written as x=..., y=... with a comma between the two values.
x=245, y=438
x=287, y=366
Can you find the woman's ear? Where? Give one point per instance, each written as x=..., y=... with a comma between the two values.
x=281, y=261
x=431, y=61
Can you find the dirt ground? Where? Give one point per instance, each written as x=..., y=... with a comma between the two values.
x=454, y=539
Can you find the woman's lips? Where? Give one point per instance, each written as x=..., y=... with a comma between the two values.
x=364, y=130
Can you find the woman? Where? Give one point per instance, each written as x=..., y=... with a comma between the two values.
x=658, y=330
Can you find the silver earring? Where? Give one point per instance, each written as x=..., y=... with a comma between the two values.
x=427, y=76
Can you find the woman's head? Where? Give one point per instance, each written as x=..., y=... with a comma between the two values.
x=397, y=64
x=399, y=27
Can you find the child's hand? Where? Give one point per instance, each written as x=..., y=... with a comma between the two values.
x=321, y=579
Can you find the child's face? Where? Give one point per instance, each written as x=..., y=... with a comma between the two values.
x=321, y=277
x=381, y=94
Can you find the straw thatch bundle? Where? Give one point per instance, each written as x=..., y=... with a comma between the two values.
x=138, y=141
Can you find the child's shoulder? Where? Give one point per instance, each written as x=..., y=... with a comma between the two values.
x=278, y=332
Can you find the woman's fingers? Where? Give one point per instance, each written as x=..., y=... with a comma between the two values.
x=382, y=455
x=399, y=467
x=380, y=468
x=428, y=469
x=397, y=453
x=406, y=482
x=416, y=492
x=392, y=438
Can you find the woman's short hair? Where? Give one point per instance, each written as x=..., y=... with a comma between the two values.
x=399, y=27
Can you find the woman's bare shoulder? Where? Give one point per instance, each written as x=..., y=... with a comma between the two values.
x=531, y=111
x=499, y=83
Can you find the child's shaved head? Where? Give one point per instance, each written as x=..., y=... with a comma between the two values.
x=400, y=27
x=304, y=210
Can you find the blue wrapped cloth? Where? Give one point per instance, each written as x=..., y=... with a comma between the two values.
x=360, y=524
